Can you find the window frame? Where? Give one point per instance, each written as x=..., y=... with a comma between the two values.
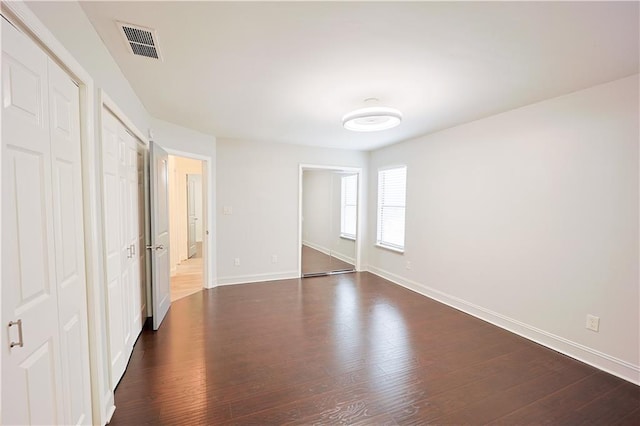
x=380, y=242
x=344, y=205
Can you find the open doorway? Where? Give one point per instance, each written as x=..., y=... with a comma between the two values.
x=186, y=216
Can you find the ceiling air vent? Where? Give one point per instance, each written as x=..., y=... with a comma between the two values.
x=141, y=41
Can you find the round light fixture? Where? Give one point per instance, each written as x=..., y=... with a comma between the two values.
x=372, y=119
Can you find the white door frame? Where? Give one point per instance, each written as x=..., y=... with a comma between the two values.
x=19, y=14
x=208, y=247
x=360, y=210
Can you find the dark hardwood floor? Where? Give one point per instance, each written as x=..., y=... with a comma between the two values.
x=314, y=262
x=353, y=349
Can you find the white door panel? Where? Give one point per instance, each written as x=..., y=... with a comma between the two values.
x=133, y=208
x=161, y=292
x=142, y=227
x=46, y=379
x=64, y=102
x=122, y=241
x=31, y=372
x=39, y=377
x=116, y=330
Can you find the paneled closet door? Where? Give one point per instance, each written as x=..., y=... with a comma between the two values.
x=125, y=234
x=44, y=330
x=64, y=101
x=123, y=245
x=132, y=208
x=142, y=239
x=112, y=246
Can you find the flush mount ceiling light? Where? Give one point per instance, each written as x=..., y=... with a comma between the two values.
x=372, y=119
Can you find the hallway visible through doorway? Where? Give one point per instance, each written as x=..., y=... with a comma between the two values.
x=186, y=217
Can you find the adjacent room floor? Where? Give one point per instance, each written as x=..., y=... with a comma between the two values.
x=347, y=349
x=188, y=277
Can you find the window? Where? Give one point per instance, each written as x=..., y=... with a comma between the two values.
x=392, y=189
x=349, y=206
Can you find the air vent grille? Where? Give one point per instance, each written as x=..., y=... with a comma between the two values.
x=142, y=41
x=138, y=36
x=144, y=50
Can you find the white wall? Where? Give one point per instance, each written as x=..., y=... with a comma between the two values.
x=530, y=219
x=260, y=182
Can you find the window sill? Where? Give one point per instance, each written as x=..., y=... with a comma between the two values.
x=348, y=237
x=393, y=249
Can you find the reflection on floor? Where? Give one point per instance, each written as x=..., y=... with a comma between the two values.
x=188, y=278
x=314, y=261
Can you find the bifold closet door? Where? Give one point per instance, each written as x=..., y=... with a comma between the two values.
x=45, y=352
x=122, y=204
x=112, y=248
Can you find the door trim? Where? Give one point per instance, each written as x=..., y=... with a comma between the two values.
x=19, y=15
x=360, y=212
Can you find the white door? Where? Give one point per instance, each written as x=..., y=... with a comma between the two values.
x=126, y=224
x=141, y=239
x=123, y=207
x=159, y=248
x=113, y=254
x=45, y=370
x=133, y=260
x=192, y=216
x=64, y=101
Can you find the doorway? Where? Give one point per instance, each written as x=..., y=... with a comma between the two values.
x=186, y=201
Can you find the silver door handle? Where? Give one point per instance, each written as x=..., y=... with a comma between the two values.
x=158, y=247
x=129, y=255
x=133, y=249
x=20, y=341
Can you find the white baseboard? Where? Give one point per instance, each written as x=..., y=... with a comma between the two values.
x=600, y=360
x=329, y=252
x=244, y=279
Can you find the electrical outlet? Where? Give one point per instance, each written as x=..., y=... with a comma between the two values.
x=274, y=258
x=408, y=265
x=227, y=210
x=593, y=322
x=236, y=261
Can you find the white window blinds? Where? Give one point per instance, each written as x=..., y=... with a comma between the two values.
x=349, y=206
x=392, y=189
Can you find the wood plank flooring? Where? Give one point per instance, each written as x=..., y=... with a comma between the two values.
x=353, y=349
x=315, y=261
x=188, y=277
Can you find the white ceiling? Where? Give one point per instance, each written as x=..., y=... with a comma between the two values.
x=289, y=71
